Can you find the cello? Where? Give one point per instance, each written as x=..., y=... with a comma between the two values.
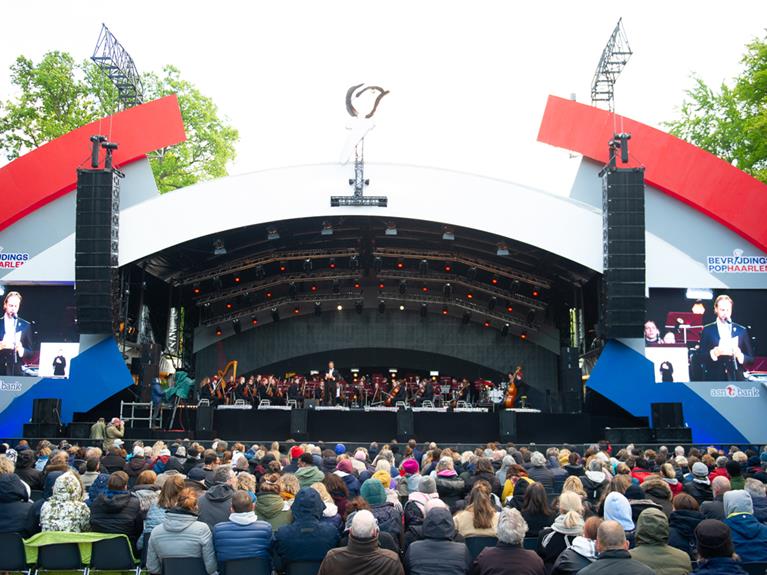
x=510, y=397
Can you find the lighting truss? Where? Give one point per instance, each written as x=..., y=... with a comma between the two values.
x=112, y=58
x=614, y=58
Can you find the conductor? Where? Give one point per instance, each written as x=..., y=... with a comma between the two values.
x=331, y=385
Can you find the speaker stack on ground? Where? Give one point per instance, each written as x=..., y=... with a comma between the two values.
x=96, y=251
x=507, y=426
x=405, y=424
x=570, y=380
x=668, y=423
x=299, y=423
x=204, y=422
x=46, y=418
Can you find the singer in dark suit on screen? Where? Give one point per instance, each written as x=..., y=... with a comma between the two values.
x=725, y=346
x=15, y=336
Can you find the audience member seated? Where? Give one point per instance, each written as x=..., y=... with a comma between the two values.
x=146, y=490
x=483, y=470
x=566, y=527
x=450, y=486
x=92, y=471
x=308, y=538
x=508, y=557
x=330, y=513
x=539, y=472
x=714, y=509
x=136, y=465
x=362, y=555
x=117, y=511
x=414, y=507
x=16, y=510
x=181, y=535
x=409, y=478
x=595, y=481
x=641, y=470
x=618, y=509
x=517, y=482
x=65, y=510
x=668, y=475
x=536, y=511
x=581, y=553
x=748, y=535
x=345, y=470
x=613, y=555
x=215, y=504
x=307, y=472
x=574, y=468
x=177, y=461
x=288, y=488
x=479, y=519
x=716, y=554
x=659, y=492
x=639, y=502
x=25, y=469
x=720, y=469
x=735, y=471
x=113, y=461
x=652, y=546
x=699, y=487
x=388, y=516
x=436, y=552
x=269, y=505
x=244, y=535
x=682, y=523
x=338, y=491
x=166, y=500
x=756, y=489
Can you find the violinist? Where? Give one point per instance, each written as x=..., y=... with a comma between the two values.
x=206, y=389
x=427, y=390
x=261, y=387
x=239, y=389
x=249, y=393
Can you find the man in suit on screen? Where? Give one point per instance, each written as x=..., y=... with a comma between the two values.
x=725, y=346
x=15, y=336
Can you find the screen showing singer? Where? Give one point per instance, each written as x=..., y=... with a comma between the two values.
x=724, y=345
x=15, y=336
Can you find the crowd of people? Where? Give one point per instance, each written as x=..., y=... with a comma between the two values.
x=399, y=508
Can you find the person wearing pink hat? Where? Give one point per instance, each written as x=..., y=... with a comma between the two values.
x=345, y=470
x=409, y=477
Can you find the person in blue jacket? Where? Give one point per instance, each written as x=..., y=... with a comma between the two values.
x=242, y=537
x=748, y=535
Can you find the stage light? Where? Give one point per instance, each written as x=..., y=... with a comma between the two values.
x=358, y=305
x=254, y=321
x=218, y=248
x=401, y=307
x=494, y=281
x=336, y=286
x=523, y=336
x=702, y=294
x=466, y=317
x=536, y=293
x=471, y=273
x=469, y=295
x=228, y=305
x=425, y=289
x=236, y=279
x=486, y=323
x=292, y=290
x=491, y=303
x=381, y=285
x=260, y=273
x=381, y=306
x=502, y=249
x=444, y=310
x=283, y=267
x=327, y=229
x=268, y=295
x=391, y=229
x=448, y=234
x=339, y=307
x=424, y=309
x=400, y=264
x=357, y=284
x=354, y=263
x=447, y=291
x=317, y=308
x=505, y=330
x=402, y=287
x=272, y=234
x=377, y=264
x=218, y=331
x=423, y=267
x=195, y=290
x=236, y=326
x=332, y=263
x=296, y=310
x=307, y=265
x=698, y=308
x=448, y=268
x=275, y=314
x=313, y=288
x=509, y=309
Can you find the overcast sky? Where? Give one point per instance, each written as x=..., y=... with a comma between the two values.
x=468, y=80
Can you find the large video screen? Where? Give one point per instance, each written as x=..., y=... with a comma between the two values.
x=38, y=332
x=706, y=334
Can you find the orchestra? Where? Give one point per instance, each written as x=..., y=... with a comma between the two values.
x=332, y=388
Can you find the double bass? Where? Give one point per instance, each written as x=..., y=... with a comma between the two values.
x=510, y=398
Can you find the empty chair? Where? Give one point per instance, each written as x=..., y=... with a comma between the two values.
x=250, y=566
x=13, y=557
x=183, y=566
x=114, y=555
x=60, y=557
x=477, y=544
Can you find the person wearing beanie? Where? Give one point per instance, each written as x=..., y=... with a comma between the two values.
x=409, y=478
x=748, y=535
x=566, y=527
x=614, y=556
x=652, y=546
x=294, y=453
x=388, y=516
x=683, y=520
x=340, y=449
x=414, y=507
x=618, y=508
x=715, y=550
x=307, y=472
x=639, y=501
x=699, y=487
x=436, y=553
x=308, y=538
x=345, y=470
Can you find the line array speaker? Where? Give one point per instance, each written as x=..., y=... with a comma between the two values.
x=570, y=380
x=46, y=410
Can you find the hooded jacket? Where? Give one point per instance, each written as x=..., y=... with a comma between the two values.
x=450, y=487
x=616, y=561
x=719, y=566
x=65, y=510
x=361, y=557
x=180, y=535
x=308, y=475
x=146, y=495
x=594, y=483
x=25, y=469
x=555, y=539
x=242, y=537
x=307, y=538
x=271, y=508
x=659, y=497
x=436, y=553
x=389, y=518
x=681, y=532
x=111, y=463
x=215, y=505
x=652, y=546
x=760, y=508
x=117, y=512
x=16, y=513
x=699, y=489
x=581, y=553
x=748, y=536
x=352, y=483
x=134, y=467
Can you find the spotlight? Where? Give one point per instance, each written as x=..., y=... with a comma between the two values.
x=313, y=288
x=327, y=229
x=381, y=306
x=332, y=263
x=425, y=289
x=260, y=273
x=268, y=295
x=391, y=229
x=336, y=286
x=357, y=284
x=354, y=263
x=228, y=305
x=358, y=305
x=502, y=249
x=448, y=268
x=536, y=293
x=307, y=265
x=218, y=248
x=444, y=310
x=523, y=336
x=195, y=290
x=424, y=309
x=218, y=331
x=272, y=234
x=486, y=323
x=401, y=307
x=236, y=326
x=494, y=281
x=377, y=264
x=283, y=267
x=317, y=308
x=423, y=267
x=447, y=291
x=236, y=279
x=491, y=303
x=698, y=308
x=400, y=264
x=381, y=285
x=466, y=317
x=509, y=308
x=402, y=287
x=471, y=273
x=505, y=330
x=296, y=310
x=339, y=307
x=448, y=234
x=469, y=295
x=275, y=314
x=254, y=321
x=292, y=290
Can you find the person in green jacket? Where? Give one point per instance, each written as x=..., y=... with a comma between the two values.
x=652, y=546
x=270, y=507
x=99, y=430
x=308, y=473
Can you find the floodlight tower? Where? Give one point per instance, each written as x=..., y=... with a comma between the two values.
x=112, y=58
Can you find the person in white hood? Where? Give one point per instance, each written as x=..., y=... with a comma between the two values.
x=595, y=480
x=581, y=553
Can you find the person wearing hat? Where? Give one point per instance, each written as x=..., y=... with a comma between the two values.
x=177, y=461
x=436, y=551
x=652, y=546
x=613, y=555
x=700, y=486
x=345, y=470
x=417, y=500
x=715, y=549
x=340, y=449
x=294, y=453
x=115, y=430
x=269, y=505
x=388, y=516
x=195, y=479
x=409, y=478
x=748, y=535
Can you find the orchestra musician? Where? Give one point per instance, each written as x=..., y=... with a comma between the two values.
x=294, y=391
x=331, y=385
x=250, y=392
x=206, y=389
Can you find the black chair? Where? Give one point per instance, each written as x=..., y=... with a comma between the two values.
x=13, y=557
x=303, y=568
x=113, y=555
x=530, y=543
x=754, y=568
x=144, y=547
x=475, y=545
x=60, y=557
x=183, y=566
x=35, y=495
x=250, y=566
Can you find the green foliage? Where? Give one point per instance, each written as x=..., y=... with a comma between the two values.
x=58, y=95
x=732, y=121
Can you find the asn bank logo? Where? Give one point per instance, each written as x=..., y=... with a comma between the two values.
x=733, y=391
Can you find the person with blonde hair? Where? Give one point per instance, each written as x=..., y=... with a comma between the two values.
x=330, y=513
x=566, y=527
x=289, y=487
x=574, y=484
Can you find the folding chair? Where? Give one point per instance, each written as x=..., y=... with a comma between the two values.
x=13, y=557
x=183, y=566
x=114, y=555
x=477, y=544
x=60, y=557
x=249, y=566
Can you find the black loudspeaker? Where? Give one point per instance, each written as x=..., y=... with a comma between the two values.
x=150, y=368
x=96, y=251
x=299, y=423
x=673, y=435
x=41, y=430
x=507, y=426
x=80, y=429
x=46, y=410
x=405, y=428
x=204, y=422
x=626, y=435
x=667, y=415
x=570, y=381
x=623, y=237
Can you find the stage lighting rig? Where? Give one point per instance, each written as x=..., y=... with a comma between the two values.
x=111, y=58
x=615, y=56
x=391, y=229
x=448, y=234
x=502, y=249
x=272, y=234
x=327, y=229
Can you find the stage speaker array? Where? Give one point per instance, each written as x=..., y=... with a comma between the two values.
x=204, y=420
x=46, y=410
x=405, y=424
x=96, y=251
x=507, y=426
x=299, y=423
x=623, y=238
x=570, y=380
x=666, y=415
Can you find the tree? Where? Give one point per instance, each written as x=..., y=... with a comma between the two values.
x=58, y=95
x=731, y=122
